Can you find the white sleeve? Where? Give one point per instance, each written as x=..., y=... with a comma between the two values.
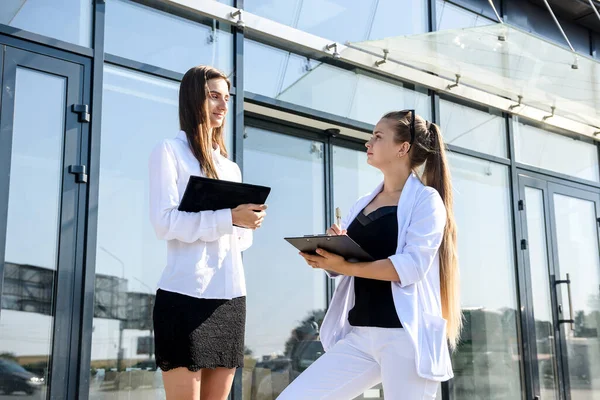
x=245, y=237
x=170, y=223
x=423, y=239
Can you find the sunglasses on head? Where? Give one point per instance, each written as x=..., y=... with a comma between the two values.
x=412, y=125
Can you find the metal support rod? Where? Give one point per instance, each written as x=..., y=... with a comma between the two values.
x=559, y=25
x=595, y=9
x=495, y=11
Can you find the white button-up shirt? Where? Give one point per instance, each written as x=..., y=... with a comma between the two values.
x=204, y=249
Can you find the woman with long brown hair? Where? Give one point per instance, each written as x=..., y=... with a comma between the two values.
x=394, y=319
x=200, y=307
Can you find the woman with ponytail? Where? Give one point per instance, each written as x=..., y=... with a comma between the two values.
x=393, y=320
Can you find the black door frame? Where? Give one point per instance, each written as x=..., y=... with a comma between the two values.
x=549, y=186
x=67, y=345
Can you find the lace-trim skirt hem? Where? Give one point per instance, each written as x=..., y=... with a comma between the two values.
x=198, y=333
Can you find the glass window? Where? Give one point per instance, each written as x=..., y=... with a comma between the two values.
x=29, y=281
x=541, y=295
x=578, y=248
x=487, y=361
x=473, y=129
x=66, y=20
x=449, y=16
x=154, y=37
x=286, y=298
x=346, y=20
x=289, y=77
x=352, y=177
x=543, y=149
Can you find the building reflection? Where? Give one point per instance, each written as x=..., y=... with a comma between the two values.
x=487, y=361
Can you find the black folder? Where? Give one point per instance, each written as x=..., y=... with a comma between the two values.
x=341, y=245
x=205, y=194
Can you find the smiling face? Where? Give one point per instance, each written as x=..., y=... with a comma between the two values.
x=382, y=149
x=216, y=102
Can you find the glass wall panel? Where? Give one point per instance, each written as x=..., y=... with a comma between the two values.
x=66, y=20
x=487, y=361
x=286, y=298
x=164, y=40
x=291, y=78
x=543, y=149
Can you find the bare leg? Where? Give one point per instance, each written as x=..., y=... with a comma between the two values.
x=216, y=383
x=182, y=384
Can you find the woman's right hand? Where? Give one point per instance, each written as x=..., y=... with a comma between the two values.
x=249, y=216
x=336, y=230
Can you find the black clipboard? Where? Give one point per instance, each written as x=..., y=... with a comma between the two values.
x=205, y=194
x=341, y=245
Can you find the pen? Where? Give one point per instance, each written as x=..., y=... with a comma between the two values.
x=338, y=216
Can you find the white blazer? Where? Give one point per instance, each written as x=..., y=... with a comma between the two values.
x=421, y=222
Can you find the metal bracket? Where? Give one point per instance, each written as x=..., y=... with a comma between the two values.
x=83, y=110
x=520, y=103
x=79, y=172
x=335, y=50
x=240, y=22
x=386, y=52
x=455, y=84
x=551, y=115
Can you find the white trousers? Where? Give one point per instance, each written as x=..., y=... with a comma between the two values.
x=364, y=358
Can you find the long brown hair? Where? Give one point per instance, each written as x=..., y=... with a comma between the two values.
x=194, y=116
x=428, y=147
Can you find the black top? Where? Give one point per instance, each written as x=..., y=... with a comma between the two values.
x=377, y=234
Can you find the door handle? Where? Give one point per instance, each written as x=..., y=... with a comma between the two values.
x=570, y=320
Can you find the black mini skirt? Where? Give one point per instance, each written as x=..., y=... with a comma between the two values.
x=198, y=333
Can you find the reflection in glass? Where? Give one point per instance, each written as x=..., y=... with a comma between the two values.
x=540, y=288
x=449, y=16
x=346, y=20
x=66, y=20
x=537, y=147
x=129, y=258
x=473, y=129
x=577, y=242
x=288, y=77
x=164, y=40
x=352, y=177
x=286, y=298
x=26, y=320
x=487, y=361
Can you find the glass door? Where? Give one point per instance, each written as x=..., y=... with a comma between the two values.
x=559, y=240
x=41, y=119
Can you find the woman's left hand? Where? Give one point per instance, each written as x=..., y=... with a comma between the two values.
x=326, y=260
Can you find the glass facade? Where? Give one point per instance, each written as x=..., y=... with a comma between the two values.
x=570, y=156
x=486, y=362
x=152, y=37
x=66, y=20
x=473, y=129
x=288, y=77
x=346, y=20
x=514, y=240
